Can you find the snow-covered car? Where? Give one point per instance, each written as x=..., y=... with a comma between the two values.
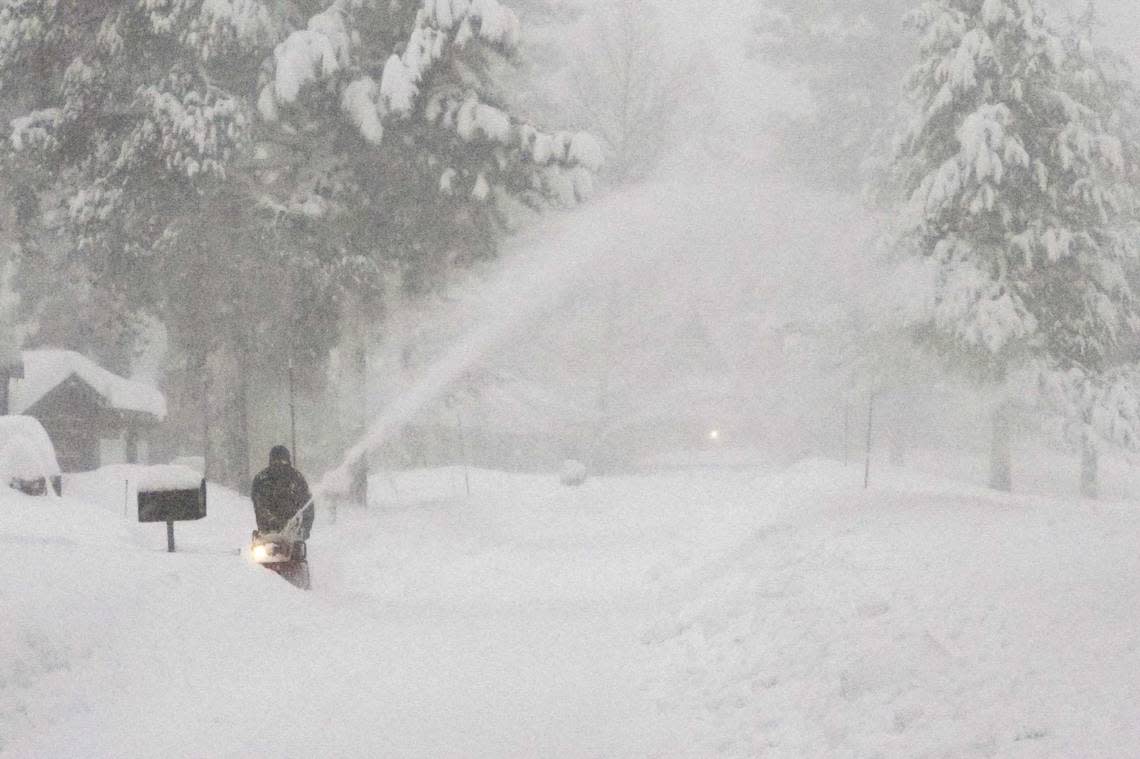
x=27, y=458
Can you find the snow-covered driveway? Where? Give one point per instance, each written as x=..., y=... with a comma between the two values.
x=736, y=613
x=504, y=625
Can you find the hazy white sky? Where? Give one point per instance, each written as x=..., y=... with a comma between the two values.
x=1121, y=26
x=718, y=30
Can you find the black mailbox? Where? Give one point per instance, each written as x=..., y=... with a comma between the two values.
x=172, y=505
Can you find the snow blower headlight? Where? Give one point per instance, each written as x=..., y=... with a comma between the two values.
x=260, y=552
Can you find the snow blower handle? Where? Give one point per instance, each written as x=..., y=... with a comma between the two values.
x=293, y=526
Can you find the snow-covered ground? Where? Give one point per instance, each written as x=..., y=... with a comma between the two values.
x=735, y=611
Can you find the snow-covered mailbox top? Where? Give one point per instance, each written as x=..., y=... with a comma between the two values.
x=169, y=493
x=27, y=459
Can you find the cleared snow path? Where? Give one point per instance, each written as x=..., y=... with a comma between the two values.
x=504, y=625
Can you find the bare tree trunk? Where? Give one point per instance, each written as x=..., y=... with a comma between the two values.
x=1001, y=467
x=3, y=392
x=240, y=428
x=599, y=458
x=207, y=455
x=1089, y=468
x=131, y=444
x=359, y=488
x=870, y=440
x=846, y=430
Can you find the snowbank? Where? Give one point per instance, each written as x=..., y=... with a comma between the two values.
x=115, y=488
x=920, y=619
x=493, y=626
x=152, y=478
x=26, y=452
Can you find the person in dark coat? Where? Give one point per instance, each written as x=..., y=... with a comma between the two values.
x=279, y=491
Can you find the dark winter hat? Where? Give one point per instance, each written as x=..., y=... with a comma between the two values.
x=279, y=453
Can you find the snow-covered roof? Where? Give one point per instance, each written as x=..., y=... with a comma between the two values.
x=26, y=451
x=45, y=370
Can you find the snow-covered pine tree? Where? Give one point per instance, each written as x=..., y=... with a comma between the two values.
x=135, y=108
x=1015, y=233
x=133, y=114
x=1097, y=405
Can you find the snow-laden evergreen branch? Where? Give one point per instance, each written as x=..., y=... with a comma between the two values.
x=1018, y=187
x=325, y=53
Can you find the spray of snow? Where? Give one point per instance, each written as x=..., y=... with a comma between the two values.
x=532, y=280
x=637, y=241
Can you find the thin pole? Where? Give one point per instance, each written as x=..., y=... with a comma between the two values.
x=463, y=453
x=206, y=415
x=293, y=413
x=170, y=537
x=870, y=427
x=846, y=429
